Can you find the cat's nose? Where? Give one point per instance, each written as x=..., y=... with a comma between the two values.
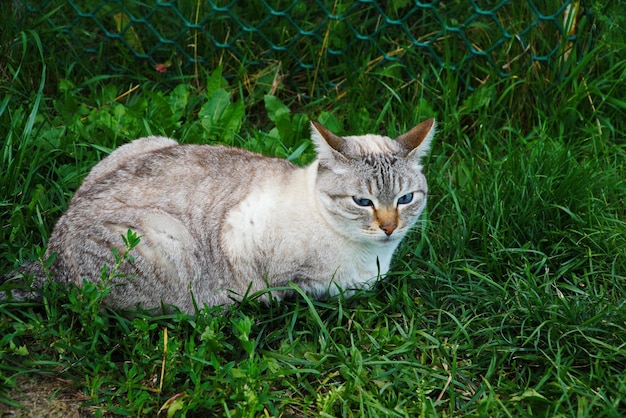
x=389, y=227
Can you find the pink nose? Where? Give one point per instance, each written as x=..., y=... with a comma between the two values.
x=389, y=228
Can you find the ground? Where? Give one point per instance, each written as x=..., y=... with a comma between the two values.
x=46, y=397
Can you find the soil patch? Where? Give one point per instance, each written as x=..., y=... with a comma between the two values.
x=44, y=396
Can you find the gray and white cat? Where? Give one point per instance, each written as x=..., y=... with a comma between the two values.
x=217, y=223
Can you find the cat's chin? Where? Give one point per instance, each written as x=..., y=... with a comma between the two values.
x=376, y=239
x=391, y=239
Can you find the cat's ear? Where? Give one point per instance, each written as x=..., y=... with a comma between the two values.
x=328, y=146
x=417, y=140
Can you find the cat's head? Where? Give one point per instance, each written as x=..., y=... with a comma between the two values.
x=371, y=187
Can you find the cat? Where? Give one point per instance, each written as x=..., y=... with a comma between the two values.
x=216, y=223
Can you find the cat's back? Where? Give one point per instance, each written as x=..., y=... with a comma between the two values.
x=127, y=154
x=155, y=167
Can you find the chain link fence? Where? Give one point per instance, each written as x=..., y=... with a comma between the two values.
x=316, y=41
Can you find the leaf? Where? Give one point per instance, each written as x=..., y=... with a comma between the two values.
x=124, y=26
x=529, y=394
x=20, y=351
x=161, y=110
x=281, y=116
x=215, y=81
x=213, y=109
x=331, y=122
x=232, y=120
x=243, y=327
x=297, y=153
x=178, y=101
x=221, y=118
x=173, y=404
x=276, y=110
x=48, y=262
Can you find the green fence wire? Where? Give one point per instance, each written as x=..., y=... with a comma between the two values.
x=321, y=40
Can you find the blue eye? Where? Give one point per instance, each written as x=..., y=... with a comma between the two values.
x=362, y=202
x=407, y=198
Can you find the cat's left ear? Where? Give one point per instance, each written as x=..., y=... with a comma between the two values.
x=417, y=140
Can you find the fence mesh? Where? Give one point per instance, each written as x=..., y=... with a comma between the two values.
x=322, y=40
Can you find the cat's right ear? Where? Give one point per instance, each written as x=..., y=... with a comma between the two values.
x=328, y=146
x=418, y=139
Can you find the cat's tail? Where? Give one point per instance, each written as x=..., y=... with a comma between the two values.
x=24, y=283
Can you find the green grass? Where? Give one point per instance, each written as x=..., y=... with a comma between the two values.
x=507, y=300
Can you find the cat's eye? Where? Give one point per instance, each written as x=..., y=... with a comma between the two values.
x=362, y=202
x=407, y=198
